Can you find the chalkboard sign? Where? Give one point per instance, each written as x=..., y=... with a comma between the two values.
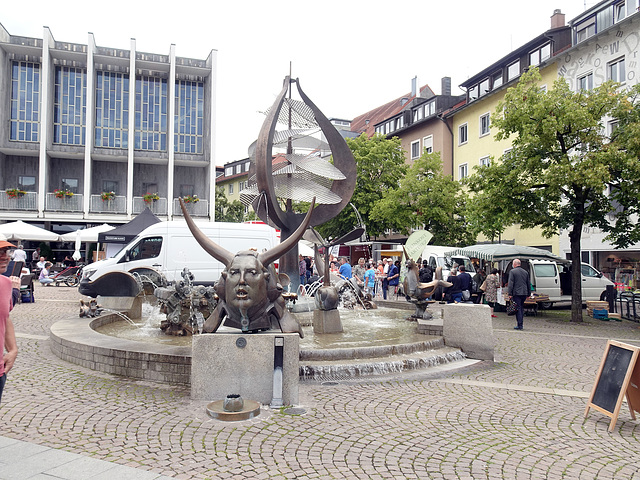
x=613, y=381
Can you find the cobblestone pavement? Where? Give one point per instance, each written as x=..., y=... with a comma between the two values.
x=520, y=417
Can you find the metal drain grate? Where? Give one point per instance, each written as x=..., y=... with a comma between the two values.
x=294, y=411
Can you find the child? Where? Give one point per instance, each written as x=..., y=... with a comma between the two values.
x=369, y=279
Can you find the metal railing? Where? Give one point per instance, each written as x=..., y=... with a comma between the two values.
x=28, y=201
x=64, y=203
x=159, y=207
x=198, y=209
x=118, y=204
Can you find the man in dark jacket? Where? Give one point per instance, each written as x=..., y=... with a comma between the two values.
x=464, y=281
x=425, y=273
x=519, y=290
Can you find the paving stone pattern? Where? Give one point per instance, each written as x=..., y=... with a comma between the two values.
x=520, y=417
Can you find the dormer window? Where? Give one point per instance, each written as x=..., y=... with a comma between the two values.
x=540, y=55
x=496, y=80
x=585, y=30
x=484, y=87
x=513, y=70
x=473, y=93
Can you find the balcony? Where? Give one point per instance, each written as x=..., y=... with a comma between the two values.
x=198, y=209
x=118, y=204
x=54, y=203
x=159, y=207
x=27, y=201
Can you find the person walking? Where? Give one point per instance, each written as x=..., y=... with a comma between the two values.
x=491, y=286
x=7, y=332
x=519, y=290
x=464, y=284
x=19, y=255
x=345, y=269
x=393, y=277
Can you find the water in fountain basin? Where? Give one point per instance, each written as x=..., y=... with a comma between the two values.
x=382, y=326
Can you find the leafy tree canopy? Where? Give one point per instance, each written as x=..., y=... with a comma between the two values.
x=427, y=197
x=380, y=166
x=233, y=212
x=565, y=170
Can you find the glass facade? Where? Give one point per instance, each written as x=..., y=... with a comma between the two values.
x=189, y=117
x=69, y=106
x=151, y=114
x=112, y=110
x=25, y=101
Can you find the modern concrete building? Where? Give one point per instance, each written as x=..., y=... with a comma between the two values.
x=87, y=131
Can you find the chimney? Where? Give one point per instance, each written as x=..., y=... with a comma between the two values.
x=414, y=86
x=557, y=19
x=445, y=86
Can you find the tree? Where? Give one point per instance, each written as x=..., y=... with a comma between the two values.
x=380, y=166
x=427, y=197
x=564, y=171
x=227, y=211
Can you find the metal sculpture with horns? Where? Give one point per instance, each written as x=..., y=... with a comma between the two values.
x=249, y=292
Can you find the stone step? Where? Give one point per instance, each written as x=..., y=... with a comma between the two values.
x=382, y=365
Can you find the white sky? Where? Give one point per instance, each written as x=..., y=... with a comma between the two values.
x=350, y=56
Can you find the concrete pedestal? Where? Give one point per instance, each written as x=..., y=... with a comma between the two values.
x=228, y=363
x=327, y=321
x=469, y=327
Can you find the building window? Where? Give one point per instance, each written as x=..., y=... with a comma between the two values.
x=604, y=18
x=189, y=117
x=27, y=183
x=612, y=126
x=484, y=87
x=586, y=82
x=112, y=110
x=620, y=11
x=513, y=70
x=247, y=166
x=415, y=149
x=496, y=80
x=485, y=123
x=429, y=109
x=540, y=55
x=427, y=144
x=231, y=188
x=25, y=101
x=462, y=134
x=473, y=93
x=69, y=106
x=110, y=186
x=149, y=187
x=186, y=190
x=585, y=30
x=228, y=171
x=238, y=168
x=616, y=70
x=485, y=161
x=151, y=114
x=70, y=184
x=463, y=171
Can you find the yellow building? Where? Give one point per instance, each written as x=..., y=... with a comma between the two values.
x=474, y=142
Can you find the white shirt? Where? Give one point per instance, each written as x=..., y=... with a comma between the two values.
x=19, y=255
x=386, y=268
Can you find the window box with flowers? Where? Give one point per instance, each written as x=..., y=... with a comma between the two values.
x=15, y=193
x=190, y=199
x=150, y=197
x=63, y=193
x=106, y=196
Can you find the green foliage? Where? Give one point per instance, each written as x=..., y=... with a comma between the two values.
x=427, y=197
x=380, y=167
x=558, y=173
x=227, y=211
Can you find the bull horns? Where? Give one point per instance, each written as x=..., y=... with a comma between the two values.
x=226, y=257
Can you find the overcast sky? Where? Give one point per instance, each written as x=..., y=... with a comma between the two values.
x=350, y=56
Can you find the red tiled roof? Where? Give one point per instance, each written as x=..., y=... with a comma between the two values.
x=377, y=115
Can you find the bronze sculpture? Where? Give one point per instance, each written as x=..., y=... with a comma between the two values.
x=249, y=292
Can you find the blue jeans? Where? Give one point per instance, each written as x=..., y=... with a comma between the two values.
x=46, y=281
x=456, y=297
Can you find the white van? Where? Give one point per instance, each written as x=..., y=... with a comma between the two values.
x=552, y=279
x=436, y=257
x=169, y=247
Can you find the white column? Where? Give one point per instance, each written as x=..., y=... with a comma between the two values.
x=132, y=126
x=89, y=122
x=213, y=84
x=171, y=98
x=46, y=118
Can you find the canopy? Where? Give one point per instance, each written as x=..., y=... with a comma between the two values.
x=86, y=234
x=127, y=232
x=24, y=231
x=495, y=252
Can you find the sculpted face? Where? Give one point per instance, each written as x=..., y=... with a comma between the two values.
x=246, y=283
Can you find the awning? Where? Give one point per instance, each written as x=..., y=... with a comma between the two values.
x=495, y=252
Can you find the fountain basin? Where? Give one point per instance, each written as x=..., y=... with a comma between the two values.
x=76, y=340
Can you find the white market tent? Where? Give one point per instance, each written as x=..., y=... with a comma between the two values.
x=20, y=230
x=495, y=252
x=87, y=234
